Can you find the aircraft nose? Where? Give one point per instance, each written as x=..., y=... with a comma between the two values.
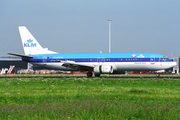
x=174, y=64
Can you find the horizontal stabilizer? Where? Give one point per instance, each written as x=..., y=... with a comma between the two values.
x=20, y=55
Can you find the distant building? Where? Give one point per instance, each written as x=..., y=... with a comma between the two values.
x=5, y=62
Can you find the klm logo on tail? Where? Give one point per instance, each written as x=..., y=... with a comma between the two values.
x=30, y=43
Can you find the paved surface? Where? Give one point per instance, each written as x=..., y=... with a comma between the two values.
x=110, y=77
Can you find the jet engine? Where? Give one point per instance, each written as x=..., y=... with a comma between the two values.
x=103, y=69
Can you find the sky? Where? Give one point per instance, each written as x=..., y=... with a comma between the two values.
x=81, y=26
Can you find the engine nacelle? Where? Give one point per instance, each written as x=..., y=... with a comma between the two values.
x=103, y=69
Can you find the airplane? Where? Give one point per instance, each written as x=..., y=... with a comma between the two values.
x=99, y=63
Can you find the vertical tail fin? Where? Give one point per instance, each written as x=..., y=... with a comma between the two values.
x=30, y=44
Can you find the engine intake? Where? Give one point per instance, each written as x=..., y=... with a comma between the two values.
x=103, y=69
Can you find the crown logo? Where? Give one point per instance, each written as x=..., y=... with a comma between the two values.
x=134, y=55
x=29, y=41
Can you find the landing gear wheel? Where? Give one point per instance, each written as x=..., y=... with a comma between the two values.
x=157, y=75
x=89, y=74
x=97, y=75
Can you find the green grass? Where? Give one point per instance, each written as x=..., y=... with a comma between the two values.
x=89, y=98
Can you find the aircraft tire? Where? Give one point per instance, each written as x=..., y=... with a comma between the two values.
x=97, y=75
x=157, y=75
x=89, y=74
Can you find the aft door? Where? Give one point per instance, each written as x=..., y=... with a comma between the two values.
x=44, y=60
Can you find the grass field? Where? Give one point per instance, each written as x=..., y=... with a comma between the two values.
x=89, y=98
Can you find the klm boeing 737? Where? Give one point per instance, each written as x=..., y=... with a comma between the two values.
x=99, y=63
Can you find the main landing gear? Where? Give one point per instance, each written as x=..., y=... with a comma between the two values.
x=89, y=74
x=97, y=75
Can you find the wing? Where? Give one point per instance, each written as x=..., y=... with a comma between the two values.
x=76, y=66
x=19, y=55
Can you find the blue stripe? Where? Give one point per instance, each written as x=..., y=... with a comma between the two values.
x=100, y=60
x=98, y=55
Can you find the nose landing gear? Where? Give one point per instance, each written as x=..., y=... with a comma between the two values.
x=157, y=75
